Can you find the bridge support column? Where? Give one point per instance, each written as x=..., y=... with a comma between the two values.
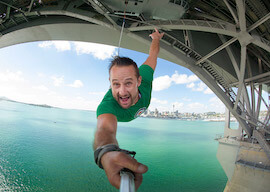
x=228, y=131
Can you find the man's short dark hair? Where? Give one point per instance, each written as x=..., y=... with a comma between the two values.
x=124, y=61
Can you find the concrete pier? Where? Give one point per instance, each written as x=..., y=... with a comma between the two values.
x=245, y=164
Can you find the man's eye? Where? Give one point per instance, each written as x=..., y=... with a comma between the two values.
x=116, y=84
x=128, y=83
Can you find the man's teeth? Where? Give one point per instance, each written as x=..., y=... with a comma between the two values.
x=124, y=98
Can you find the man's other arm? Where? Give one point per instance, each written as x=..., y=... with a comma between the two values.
x=154, y=49
x=113, y=162
x=106, y=130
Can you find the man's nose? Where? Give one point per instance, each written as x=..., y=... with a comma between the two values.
x=122, y=90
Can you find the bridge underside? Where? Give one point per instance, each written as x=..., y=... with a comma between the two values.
x=226, y=43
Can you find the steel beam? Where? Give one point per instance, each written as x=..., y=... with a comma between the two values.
x=232, y=40
x=241, y=14
x=259, y=99
x=96, y=4
x=232, y=12
x=259, y=93
x=259, y=43
x=191, y=25
x=259, y=22
x=231, y=55
x=246, y=99
x=254, y=78
x=4, y=3
x=30, y=7
x=83, y=15
x=252, y=94
x=242, y=74
x=211, y=83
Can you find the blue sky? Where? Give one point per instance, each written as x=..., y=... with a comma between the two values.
x=75, y=75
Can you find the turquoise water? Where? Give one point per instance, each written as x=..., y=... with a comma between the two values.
x=50, y=149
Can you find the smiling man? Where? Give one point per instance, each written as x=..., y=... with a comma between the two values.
x=128, y=97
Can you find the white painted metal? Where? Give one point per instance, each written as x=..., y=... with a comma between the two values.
x=241, y=14
x=127, y=182
x=217, y=50
x=232, y=12
x=241, y=77
x=186, y=24
x=258, y=23
x=232, y=57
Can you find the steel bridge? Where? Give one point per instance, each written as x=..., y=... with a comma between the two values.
x=226, y=43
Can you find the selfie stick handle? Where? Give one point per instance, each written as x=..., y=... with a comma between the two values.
x=127, y=181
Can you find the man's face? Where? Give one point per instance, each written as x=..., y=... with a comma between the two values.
x=124, y=84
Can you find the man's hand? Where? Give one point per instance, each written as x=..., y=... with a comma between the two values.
x=113, y=162
x=156, y=35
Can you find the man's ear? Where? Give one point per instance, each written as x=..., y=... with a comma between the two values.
x=139, y=81
x=110, y=83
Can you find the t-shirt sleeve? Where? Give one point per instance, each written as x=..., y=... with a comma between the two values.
x=106, y=107
x=146, y=72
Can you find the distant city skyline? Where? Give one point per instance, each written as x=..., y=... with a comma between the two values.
x=75, y=75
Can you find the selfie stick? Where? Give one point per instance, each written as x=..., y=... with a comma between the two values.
x=127, y=181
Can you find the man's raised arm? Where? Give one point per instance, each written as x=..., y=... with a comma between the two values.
x=154, y=49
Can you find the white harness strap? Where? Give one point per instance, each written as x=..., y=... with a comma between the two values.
x=122, y=29
x=121, y=36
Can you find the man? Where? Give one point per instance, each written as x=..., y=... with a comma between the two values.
x=128, y=97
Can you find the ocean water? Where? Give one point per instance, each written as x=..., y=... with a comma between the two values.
x=50, y=149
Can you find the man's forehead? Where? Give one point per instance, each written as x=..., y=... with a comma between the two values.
x=127, y=71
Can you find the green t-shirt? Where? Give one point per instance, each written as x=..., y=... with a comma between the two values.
x=110, y=105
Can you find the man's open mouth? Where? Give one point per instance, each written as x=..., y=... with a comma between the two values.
x=124, y=99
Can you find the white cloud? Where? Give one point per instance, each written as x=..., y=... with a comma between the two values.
x=161, y=83
x=161, y=105
x=41, y=88
x=183, y=78
x=162, y=102
x=164, y=82
x=215, y=100
x=199, y=87
x=11, y=83
x=97, y=93
x=11, y=76
x=41, y=75
x=62, y=45
x=76, y=84
x=97, y=50
x=178, y=106
x=59, y=45
x=198, y=107
x=57, y=81
x=208, y=91
x=25, y=91
x=191, y=85
x=46, y=44
x=186, y=99
x=216, y=105
x=154, y=106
